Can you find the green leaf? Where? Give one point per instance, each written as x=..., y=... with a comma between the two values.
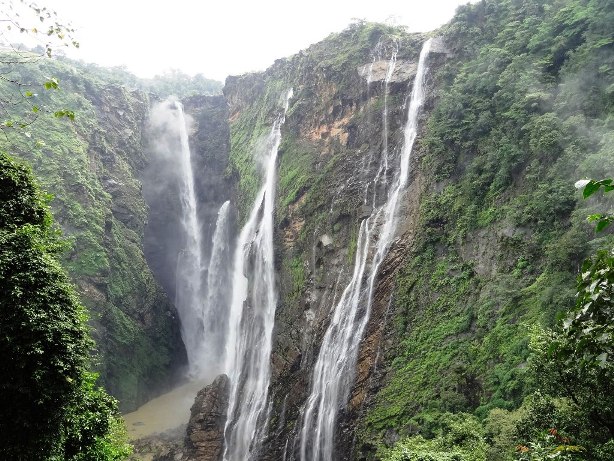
x=595, y=217
x=602, y=225
x=64, y=113
x=590, y=188
x=51, y=84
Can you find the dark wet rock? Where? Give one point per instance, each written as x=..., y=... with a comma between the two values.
x=204, y=439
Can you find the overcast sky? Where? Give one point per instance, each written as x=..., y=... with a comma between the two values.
x=226, y=37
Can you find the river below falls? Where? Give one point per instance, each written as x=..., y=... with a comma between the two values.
x=166, y=412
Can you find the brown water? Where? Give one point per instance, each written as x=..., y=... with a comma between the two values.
x=168, y=411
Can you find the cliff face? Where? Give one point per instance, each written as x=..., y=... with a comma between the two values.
x=331, y=146
x=91, y=166
x=491, y=235
x=489, y=239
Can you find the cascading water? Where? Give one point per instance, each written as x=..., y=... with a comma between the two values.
x=214, y=311
x=201, y=299
x=252, y=314
x=334, y=368
x=189, y=263
x=382, y=171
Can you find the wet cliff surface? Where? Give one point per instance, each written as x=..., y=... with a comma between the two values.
x=491, y=233
x=330, y=152
x=96, y=169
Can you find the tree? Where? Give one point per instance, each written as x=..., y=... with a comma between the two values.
x=43, y=31
x=576, y=362
x=51, y=409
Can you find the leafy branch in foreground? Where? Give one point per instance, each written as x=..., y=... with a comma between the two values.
x=589, y=187
x=37, y=24
x=42, y=31
x=575, y=362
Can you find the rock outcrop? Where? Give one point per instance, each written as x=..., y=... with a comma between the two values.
x=204, y=439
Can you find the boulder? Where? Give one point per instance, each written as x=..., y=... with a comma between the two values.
x=204, y=439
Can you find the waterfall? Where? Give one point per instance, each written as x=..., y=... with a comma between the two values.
x=382, y=171
x=202, y=296
x=334, y=369
x=214, y=310
x=252, y=314
x=189, y=263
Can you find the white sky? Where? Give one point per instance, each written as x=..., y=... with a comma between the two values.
x=226, y=37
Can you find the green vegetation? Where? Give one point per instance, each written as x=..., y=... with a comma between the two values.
x=176, y=83
x=570, y=415
x=249, y=132
x=51, y=407
x=461, y=438
x=90, y=165
x=524, y=108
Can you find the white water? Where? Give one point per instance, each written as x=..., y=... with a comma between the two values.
x=214, y=310
x=382, y=172
x=252, y=314
x=189, y=278
x=334, y=369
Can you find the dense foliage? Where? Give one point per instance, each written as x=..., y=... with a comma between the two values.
x=571, y=414
x=90, y=165
x=525, y=107
x=51, y=408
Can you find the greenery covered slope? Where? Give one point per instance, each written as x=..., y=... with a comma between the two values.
x=51, y=408
x=525, y=108
x=90, y=166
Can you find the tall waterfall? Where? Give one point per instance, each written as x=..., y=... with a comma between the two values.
x=252, y=314
x=334, y=369
x=189, y=275
x=202, y=296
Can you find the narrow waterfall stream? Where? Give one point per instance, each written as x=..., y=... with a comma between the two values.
x=252, y=314
x=215, y=308
x=334, y=369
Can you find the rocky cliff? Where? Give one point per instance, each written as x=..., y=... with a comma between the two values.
x=331, y=146
x=96, y=168
x=492, y=231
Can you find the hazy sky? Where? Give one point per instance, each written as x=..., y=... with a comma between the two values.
x=225, y=37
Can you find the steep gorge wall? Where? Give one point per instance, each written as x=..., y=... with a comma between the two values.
x=493, y=233
x=331, y=145
x=490, y=242
x=92, y=166
x=520, y=116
